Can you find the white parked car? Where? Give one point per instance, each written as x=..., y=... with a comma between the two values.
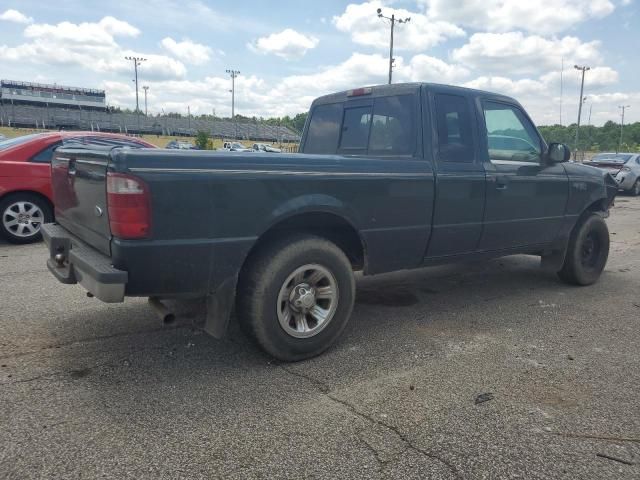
x=625, y=168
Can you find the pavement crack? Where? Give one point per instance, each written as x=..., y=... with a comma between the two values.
x=611, y=438
x=91, y=340
x=325, y=390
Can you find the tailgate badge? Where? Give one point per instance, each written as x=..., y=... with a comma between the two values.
x=98, y=211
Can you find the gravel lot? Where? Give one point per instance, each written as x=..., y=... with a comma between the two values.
x=89, y=390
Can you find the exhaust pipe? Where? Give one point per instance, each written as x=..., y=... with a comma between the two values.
x=166, y=315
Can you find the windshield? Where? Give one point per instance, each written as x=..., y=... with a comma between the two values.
x=611, y=158
x=12, y=142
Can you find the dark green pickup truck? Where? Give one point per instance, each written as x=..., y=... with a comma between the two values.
x=389, y=178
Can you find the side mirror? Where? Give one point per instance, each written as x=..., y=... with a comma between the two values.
x=558, y=152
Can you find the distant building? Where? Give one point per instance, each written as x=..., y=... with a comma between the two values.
x=38, y=94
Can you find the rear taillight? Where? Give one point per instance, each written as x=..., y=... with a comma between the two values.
x=129, y=206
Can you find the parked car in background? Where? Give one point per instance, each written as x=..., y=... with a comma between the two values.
x=264, y=147
x=2, y=137
x=625, y=168
x=180, y=145
x=388, y=178
x=26, y=200
x=234, y=147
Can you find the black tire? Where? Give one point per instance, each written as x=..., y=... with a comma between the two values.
x=635, y=190
x=8, y=212
x=260, y=285
x=587, y=252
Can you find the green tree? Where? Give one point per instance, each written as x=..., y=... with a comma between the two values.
x=202, y=140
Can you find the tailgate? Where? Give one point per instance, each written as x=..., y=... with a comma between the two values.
x=78, y=177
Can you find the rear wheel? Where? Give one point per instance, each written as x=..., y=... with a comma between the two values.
x=635, y=190
x=296, y=296
x=587, y=252
x=22, y=217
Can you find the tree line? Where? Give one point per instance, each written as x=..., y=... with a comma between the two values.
x=595, y=139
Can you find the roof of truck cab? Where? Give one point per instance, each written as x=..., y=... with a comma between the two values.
x=405, y=88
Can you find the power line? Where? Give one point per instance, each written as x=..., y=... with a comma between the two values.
x=393, y=21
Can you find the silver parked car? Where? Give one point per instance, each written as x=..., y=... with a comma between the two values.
x=625, y=167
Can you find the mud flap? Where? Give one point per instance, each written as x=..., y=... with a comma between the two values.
x=219, y=307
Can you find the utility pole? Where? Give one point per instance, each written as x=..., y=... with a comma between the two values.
x=145, y=88
x=583, y=69
x=561, y=87
x=189, y=115
x=137, y=61
x=393, y=21
x=234, y=74
x=623, y=108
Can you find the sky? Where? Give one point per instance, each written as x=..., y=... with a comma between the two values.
x=290, y=52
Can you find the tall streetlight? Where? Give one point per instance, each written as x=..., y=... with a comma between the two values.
x=584, y=68
x=137, y=61
x=393, y=21
x=145, y=88
x=623, y=108
x=234, y=74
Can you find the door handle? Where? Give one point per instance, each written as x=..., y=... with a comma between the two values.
x=501, y=181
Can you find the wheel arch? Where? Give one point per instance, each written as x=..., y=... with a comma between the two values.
x=40, y=195
x=322, y=222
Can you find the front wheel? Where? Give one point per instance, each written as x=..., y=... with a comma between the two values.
x=587, y=252
x=635, y=190
x=296, y=296
x=22, y=216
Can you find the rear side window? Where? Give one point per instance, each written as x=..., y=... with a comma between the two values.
x=324, y=129
x=393, y=130
x=355, y=129
x=44, y=156
x=453, y=119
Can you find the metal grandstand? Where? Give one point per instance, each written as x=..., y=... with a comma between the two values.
x=41, y=112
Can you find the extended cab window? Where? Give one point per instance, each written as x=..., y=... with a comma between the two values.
x=324, y=129
x=455, y=139
x=393, y=129
x=510, y=135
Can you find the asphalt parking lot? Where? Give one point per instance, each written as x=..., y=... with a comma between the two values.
x=484, y=370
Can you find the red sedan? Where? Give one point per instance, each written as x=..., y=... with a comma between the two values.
x=25, y=178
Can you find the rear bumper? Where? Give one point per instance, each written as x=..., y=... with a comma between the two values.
x=73, y=261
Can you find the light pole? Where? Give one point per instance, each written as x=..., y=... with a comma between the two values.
x=393, y=21
x=623, y=108
x=145, y=88
x=137, y=61
x=580, y=102
x=234, y=74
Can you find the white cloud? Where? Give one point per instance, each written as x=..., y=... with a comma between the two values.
x=287, y=44
x=90, y=46
x=364, y=26
x=15, y=16
x=596, y=78
x=505, y=15
x=188, y=51
x=515, y=53
x=423, y=68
